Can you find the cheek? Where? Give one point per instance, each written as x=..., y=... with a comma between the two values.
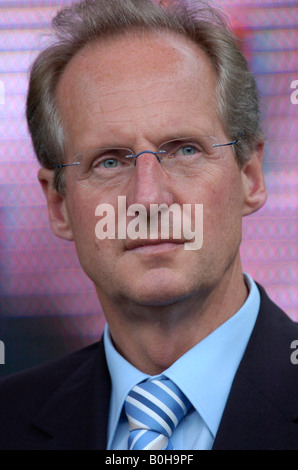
x=220, y=192
x=217, y=186
x=82, y=205
x=82, y=218
x=86, y=213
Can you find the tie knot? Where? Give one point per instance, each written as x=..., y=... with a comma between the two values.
x=154, y=408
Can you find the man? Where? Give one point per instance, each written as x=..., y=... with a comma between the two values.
x=166, y=96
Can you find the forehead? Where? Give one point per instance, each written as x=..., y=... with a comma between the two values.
x=117, y=80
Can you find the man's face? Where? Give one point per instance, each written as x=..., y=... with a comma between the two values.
x=136, y=92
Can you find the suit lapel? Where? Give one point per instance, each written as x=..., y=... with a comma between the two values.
x=261, y=410
x=76, y=416
x=252, y=422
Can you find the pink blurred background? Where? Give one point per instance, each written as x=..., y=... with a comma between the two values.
x=47, y=304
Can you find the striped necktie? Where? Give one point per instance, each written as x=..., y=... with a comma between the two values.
x=154, y=408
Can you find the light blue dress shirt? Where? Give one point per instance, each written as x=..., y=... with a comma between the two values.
x=204, y=374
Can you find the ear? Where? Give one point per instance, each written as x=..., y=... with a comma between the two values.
x=58, y=216
x=253, y=181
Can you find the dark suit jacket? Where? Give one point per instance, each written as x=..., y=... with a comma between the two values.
x=64, y=404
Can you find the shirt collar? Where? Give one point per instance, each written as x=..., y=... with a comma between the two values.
x=213, y=363
x=215, y=360
x=122, y=383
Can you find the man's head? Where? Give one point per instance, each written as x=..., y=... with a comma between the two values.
x=147, y=81
x=89, y=21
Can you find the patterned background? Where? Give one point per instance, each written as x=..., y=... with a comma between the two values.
x=47, y=304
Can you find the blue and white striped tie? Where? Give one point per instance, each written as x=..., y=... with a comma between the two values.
x=154, y=408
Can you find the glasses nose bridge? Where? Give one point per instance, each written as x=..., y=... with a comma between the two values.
x=150, y=152
x=158, y=154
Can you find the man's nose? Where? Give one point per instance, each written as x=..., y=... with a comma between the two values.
x=150, y=184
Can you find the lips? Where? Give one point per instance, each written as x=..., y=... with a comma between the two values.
x=134, y=244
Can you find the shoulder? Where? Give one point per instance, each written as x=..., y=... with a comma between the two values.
x=267, y=361
x=272, y=337
x=53, y=406
x=24, y=392
x=262, y=408
x=52, y=373
x=274, y=321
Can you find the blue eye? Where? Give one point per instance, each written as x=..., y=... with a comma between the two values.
x=187, y=150
x=110, y=163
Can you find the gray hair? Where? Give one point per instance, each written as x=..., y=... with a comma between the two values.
x=89, y=20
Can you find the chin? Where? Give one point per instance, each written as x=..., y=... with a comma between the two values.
x=156, y=301
x=158, y=296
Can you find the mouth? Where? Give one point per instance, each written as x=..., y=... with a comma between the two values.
x=153, y=246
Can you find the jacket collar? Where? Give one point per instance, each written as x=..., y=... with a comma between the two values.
x=262, y=408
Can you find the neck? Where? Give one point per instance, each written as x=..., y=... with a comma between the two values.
x=153, y=338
